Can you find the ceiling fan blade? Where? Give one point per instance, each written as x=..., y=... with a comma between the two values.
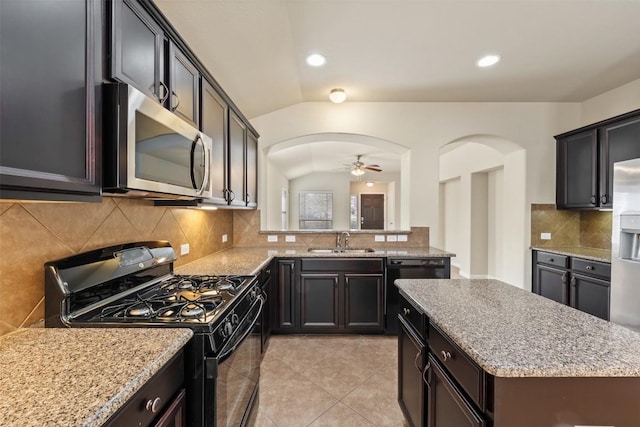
x=374, y=168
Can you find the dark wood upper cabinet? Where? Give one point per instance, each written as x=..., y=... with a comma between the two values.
x=577, y=170
x=618, y=142
x=138, y=49
x=585, y=159
x=184, y=86
x=214, y=124
x=237, y=141
x=251, y=169
x=51, y=120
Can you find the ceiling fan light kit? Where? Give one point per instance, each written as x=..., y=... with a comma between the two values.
x=337, y=95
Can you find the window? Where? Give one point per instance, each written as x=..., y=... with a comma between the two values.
x=316, y=210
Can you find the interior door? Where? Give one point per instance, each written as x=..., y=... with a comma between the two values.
x=372, y=211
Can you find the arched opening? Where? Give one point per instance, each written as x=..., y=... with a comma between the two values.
x=483, y=212
x=321, y=162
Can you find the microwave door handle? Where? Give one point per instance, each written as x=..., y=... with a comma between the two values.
x=206, y=154
x=199, y=188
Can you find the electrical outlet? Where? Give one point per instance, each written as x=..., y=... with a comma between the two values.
x=545, y=236
x=184, y=249
x=379, y=238
x=272, y=238
x=290, y=239
x=225, y=238
x=392, y=238
x=402, y=237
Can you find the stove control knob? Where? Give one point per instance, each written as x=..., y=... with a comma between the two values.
x=227, y=329
x=235, y=319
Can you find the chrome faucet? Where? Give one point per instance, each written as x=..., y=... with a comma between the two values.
x=343, y=238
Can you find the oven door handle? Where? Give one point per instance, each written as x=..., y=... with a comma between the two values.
x=231, y=346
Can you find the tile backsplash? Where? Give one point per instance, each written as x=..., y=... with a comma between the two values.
x=33, y=233
x=570, y=228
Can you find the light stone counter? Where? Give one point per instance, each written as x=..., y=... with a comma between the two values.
x=78, y=377
x=601, y=255
x=250, y=260
x=510, y=332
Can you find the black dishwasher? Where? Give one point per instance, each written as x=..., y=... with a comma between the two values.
x=410, y=268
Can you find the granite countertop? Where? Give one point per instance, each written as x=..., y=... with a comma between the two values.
x=510, y=332
x=78, y=377
x=250, y=260
x=602, y=255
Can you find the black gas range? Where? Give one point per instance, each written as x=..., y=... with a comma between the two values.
x=134, y=285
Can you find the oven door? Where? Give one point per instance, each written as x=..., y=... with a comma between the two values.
x=231, y=394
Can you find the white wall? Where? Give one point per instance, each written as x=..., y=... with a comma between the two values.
x=612, y=103
x=451, y=220
x=495, y=231
x=336, y=183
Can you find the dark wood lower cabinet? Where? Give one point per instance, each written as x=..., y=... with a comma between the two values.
x=319, y=300
x=363, y=301
x=411, y=390
x=447, y=405
x=590, y=295
x=175, y=415
x=285, y=309
x=552, y=283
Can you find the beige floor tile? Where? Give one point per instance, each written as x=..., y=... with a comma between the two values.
x=376, y=400
x=262, y=420
x=341, y=415
x=336, y=375
x=295, y=402
x=273, y=372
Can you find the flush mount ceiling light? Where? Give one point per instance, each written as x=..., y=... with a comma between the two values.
x=316, y=60
x=369, y=184
x=337, y=95
x=488, y=60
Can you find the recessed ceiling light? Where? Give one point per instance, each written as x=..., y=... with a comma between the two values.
x=488, y=60
x=337, y=95
x=316, y=60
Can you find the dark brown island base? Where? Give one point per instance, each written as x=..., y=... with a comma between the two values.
x=485, y=353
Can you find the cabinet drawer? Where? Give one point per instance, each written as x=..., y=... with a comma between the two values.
x=552, y=259
x=469, y=375
x=361, y=265
x=591, y=268
x=412, y=315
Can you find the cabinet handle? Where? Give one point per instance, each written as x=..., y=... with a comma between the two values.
x=166, y=92
x=406, y=311
x=564, y=278
x=589, y=267
x=573, y=282
x=603, y=199
x=415, y=361
x=174, y=94
x=153, y=405
x=550, y=259
x=594, y=199
x=445, y=355
x=424, y=373
x=248, y=197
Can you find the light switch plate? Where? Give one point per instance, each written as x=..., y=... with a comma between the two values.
x=225, y=238
x=402, y=237
x=290, y=239
x=272, y=238
x=545, y=236
x=379, y=238
x=184, y=249
x=392, y=238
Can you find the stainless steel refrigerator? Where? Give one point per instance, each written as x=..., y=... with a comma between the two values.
x=625, y=245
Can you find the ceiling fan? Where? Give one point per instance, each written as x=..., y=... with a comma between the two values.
x=358, y=168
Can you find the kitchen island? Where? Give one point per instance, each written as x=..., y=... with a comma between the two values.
x=540, y=363
x=79, y=377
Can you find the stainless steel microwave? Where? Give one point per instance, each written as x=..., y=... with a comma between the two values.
x=149, y=151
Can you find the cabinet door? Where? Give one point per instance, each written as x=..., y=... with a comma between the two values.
x=286, y=294
x=174, y=416
x=319, y=300
x=237, y=137
x=619, y=142
x=590, y=295
x=50, y=106
x=251, y=169
x=411, y=389
x=552, y=283
x=448, y=407
x=214, y=125
x=576, y=185
x=363, y=301
x=184, y=86
x=137, y=49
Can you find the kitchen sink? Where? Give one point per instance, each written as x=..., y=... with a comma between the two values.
x=340, y=250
